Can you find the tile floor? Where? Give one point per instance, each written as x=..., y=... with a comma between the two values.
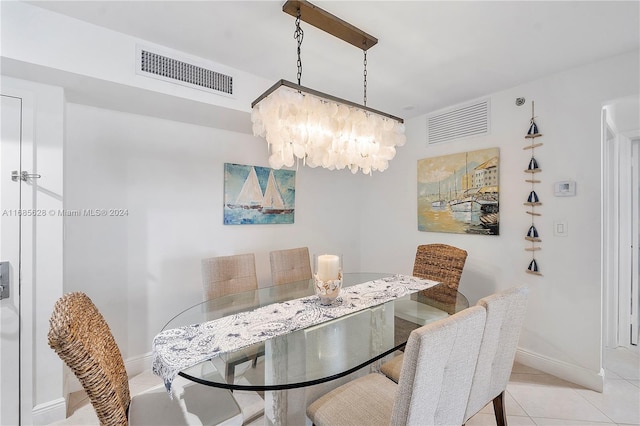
x=536, y=398
x=533, y=398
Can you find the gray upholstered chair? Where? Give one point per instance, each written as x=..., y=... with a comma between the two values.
x=505, y=315
x=82, y=339
x=434, y=385
x=290, y=265
x=225, y=275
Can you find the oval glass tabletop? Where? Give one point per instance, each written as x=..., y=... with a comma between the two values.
x=319, y=353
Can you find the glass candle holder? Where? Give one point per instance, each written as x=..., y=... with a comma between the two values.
x=327, y=277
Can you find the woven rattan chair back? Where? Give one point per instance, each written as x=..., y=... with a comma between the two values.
x=288, y=266
x=82, y=339
x=440, y=262
x=225, y=275
x=443, y=263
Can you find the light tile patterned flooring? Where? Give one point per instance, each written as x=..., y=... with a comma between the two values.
x=536, y=398
x=533, y=398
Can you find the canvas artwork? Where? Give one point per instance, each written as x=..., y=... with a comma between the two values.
x=458, y=193
x=258, y=195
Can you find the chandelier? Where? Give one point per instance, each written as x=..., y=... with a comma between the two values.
x=299, y=123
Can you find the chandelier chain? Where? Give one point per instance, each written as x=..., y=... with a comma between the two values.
x=299, y=35
x=365, y=78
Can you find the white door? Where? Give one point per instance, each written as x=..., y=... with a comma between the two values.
x=10, y=156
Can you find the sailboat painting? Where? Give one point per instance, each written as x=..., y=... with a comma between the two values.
x=458, y=193
x=258, y=195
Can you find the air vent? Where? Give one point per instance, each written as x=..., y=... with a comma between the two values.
x=170, y=69
x=459, y=122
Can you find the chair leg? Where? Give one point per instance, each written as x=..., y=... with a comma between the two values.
x=499, y=409
x=230, y=373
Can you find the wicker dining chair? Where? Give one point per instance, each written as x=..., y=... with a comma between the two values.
x=290, y=265
x=438, y=262
x=442, y=263
x=82, y=339
x=434, y=384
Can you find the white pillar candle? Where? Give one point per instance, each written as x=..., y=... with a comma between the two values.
x=328, y=267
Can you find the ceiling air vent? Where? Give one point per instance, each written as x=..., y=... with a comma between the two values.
x=176, y=71
x=459, y=122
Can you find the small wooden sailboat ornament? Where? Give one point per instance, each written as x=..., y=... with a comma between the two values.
x=533, y=197
x=533, y=166
x=532, y=235
x=533, y=127
x=533, y=267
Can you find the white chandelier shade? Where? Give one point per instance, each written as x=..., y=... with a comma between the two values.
x=322, y=130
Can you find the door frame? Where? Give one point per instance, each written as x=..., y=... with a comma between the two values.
x=624, y=241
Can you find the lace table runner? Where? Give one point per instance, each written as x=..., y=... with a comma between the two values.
x=179, y=348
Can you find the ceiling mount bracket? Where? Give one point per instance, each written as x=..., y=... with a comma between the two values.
x=329, y=23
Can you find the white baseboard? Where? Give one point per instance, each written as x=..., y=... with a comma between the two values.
x=49, y=412
x=134, y=366
x=563, y=370
x=138, y=364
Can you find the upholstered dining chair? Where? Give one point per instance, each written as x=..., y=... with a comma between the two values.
x=82, y=339
x=290, y=265
x=225, y=275
x=505, y=315
x=443, y=263
x=434, y=385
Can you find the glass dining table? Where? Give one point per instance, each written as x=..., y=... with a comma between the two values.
x=331, y=351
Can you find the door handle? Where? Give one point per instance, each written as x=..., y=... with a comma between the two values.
x=23, y=176
x=4, y=280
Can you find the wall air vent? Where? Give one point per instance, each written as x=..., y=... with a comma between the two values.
x=459, y=122
x=180, y=72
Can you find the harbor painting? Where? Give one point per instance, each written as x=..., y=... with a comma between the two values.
x=458, y=193
x=258, y=195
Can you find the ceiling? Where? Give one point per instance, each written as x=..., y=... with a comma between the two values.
x=430, y=54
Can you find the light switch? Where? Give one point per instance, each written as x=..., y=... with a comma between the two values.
x=560, y=228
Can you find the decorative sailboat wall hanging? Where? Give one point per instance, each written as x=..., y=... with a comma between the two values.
x=533, y=200
x=258, y=195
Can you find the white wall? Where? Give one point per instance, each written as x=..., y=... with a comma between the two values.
x=142, y=269
x=102, y=54
x=563, y=325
